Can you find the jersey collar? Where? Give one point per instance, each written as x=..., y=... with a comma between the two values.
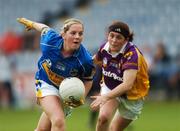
x=106, y=48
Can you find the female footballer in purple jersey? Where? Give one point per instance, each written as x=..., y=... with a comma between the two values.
x=125, y=80
x=63, y=56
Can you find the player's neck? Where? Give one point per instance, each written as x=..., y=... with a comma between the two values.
x=66, y=52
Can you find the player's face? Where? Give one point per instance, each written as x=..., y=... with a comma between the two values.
x=116, y=41
x=73, y=37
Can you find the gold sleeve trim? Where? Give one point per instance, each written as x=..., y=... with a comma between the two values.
x=53, y=77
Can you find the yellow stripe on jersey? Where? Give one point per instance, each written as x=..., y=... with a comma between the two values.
x=141, y=85
x=131, y=64
x=53, y=77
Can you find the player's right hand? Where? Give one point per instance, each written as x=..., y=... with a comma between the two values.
x=27, y=23
x=74, y=103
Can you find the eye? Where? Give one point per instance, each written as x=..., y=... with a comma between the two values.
x=73, y=33
x=118, y=37
x=80, y=33
x=111, y=35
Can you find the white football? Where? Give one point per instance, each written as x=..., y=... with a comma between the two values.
x=71, y=88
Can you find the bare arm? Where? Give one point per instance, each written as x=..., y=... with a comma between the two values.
x=128, y=81
x=88, y=85
x=32, y=24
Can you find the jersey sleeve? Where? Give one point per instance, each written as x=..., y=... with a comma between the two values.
x=98, y=57
x=87, y=64
x=130, y=60
x=89, y=71
x=49, y=38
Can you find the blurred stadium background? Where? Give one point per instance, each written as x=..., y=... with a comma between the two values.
x=156, y=27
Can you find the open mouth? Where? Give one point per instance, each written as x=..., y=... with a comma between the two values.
x=76, y=43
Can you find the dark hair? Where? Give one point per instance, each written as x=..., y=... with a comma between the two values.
x=122, y=28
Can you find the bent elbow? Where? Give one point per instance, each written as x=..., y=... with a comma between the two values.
x=129, y=87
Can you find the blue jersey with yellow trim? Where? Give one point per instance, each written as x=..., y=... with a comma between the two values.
x=53, y=67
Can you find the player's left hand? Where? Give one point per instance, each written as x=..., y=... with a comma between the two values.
x=99, y=101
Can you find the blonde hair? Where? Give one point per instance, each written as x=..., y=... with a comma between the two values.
x=69, y=22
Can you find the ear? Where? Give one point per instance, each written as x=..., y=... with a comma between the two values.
x=63, y=35
x=127, y=39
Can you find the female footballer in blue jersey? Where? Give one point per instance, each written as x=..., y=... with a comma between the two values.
x=63, y=56
x=124, y=82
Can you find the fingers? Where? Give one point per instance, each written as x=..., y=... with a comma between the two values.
x=18, y=19
x=93, y=97
x=82, y=101
x=22, y=20
x=27, y=28
x=95, y=105
x=28, y=24
x=98, y=102
x=74, y=103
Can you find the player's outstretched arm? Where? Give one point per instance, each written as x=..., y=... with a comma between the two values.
x=32, y=24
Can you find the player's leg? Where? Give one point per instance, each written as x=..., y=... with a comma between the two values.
x=54, y=111
x=105, y=114
x=128, y=111
x=44, y=123
x=53, y=116
x=119, y=123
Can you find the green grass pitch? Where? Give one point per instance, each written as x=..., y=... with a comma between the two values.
x=156, y=116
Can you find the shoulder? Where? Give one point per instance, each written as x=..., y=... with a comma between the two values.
x=102, y=51
x=50, y=37
x=50, y=33
x=131, y=49
x=83, y=52
x=47, y=30
x=103, y=47
x=130, y=57
x=84, y=55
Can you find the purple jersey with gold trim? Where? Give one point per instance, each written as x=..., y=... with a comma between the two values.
x=114, y=65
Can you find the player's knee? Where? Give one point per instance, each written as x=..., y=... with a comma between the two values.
x=112, y=128
x=59, y=123
x=41, y=129
x=103, y=119
x=116, y=128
